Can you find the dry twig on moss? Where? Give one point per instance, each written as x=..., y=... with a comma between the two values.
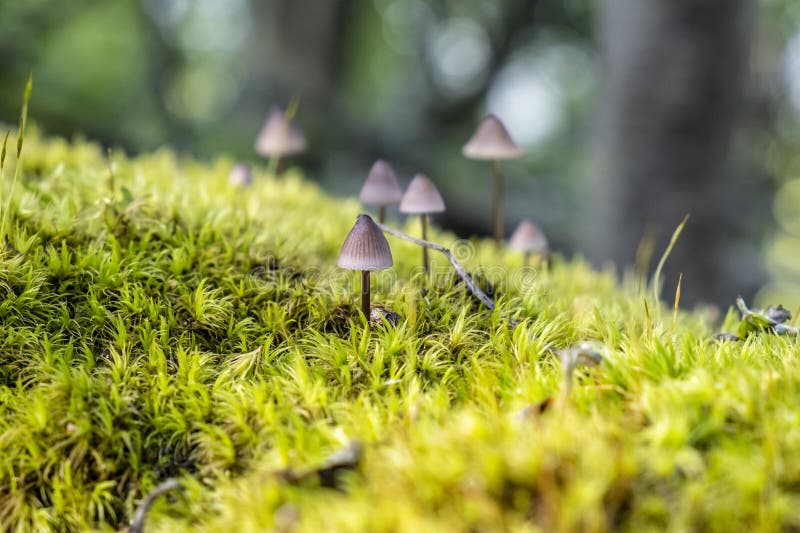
x=139, y=517
x=460, y=270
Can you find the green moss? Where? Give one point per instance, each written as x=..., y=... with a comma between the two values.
x=175, y=326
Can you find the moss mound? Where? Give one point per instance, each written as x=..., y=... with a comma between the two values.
x=161, y=324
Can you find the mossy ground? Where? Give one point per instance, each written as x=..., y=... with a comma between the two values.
x=165, y=324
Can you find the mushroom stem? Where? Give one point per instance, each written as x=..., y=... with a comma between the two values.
x=527, y=258
x=276, y=165
x=424, y=218
x=382, y=214
x=497, y=204
x=365, y=293
x=567, y=370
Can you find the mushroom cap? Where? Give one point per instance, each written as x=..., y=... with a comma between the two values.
x=279, y=136
x=365, y=247
x=491, y=141
x=240, y=175
x=528, y=237
x=421, y=197
x=381, y=187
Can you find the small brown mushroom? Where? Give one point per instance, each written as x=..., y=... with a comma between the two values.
x=381, y=188
x=492, y=142
x=279, y=136
x=240, y=176
x=529, y=239
x=365, y=249
x=422, y=198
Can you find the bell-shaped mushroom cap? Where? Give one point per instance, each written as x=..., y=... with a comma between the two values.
x=240, y=175
x=279, y=136
x=491, y=141
x=421, y=197
x=528, y=237
x=365, y=247
x=381, y=187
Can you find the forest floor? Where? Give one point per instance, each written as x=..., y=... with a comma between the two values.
x=157, y=323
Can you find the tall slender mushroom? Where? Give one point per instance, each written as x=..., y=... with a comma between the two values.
x=529, y=239
x=381, y=188
x=422, y=198
x=492, y=142
x=279, y=137
x=365, y=249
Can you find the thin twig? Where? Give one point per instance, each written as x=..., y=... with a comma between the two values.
x=139, y=517
x=460, y=270
x=348, y=458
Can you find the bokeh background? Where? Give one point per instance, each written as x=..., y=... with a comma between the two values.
x=632, y=112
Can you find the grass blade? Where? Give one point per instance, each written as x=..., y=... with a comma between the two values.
x=23, y=117
x=660, y=267
x=677, y=302
x=23, y=121
x=3, y=152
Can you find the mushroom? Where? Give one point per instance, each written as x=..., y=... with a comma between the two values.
x=586, y=353
x=381, y=188
x=422, y=198
x=240, y=175
x=529, y=239
x=492, y=142
x=365, y=249
x=279, y=137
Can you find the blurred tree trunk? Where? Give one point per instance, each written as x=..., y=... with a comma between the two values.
x=675, y=71
x=299, y=45
x=298, y=51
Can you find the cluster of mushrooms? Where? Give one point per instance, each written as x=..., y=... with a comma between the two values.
x=366, y=249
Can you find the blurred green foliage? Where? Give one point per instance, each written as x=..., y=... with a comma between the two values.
x=782, y=160
x=91, y=67
x=388, y=81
